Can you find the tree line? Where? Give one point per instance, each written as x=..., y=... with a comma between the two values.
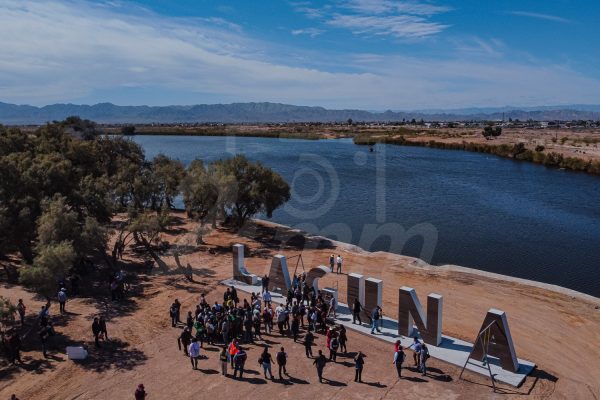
x=62, y=186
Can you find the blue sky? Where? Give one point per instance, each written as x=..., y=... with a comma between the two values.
x=369, y=54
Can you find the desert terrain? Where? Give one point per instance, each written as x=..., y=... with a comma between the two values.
x=556, y=328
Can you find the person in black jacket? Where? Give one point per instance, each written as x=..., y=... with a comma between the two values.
x=359, y=361
x=356, y=312
x=281, y=358
x=184, y=340
x=96, y=329
x=320, y=362
x=309, y=338
x=103, y=331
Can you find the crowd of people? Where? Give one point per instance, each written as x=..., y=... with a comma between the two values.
x=235, y=323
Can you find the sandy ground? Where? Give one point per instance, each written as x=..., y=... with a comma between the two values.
x=567, y=142
x=558, y=331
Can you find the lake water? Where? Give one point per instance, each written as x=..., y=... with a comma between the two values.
x=446, y=207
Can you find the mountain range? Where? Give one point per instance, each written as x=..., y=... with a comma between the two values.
x=107, y=113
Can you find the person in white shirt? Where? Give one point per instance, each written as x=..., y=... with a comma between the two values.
x=280, y=316
x=194, y=352
x=339, y=264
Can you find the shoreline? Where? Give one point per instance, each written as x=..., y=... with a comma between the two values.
x=552, y=160
x=417, y=263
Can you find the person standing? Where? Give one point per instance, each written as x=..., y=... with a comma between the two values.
x=14, y=347
x=44, y=335
x=309, y=338
x=265, y=284
x=416, y=347
x=356, y=311
x=399, y=357
x=21, y=309
x=424, y=356
x=223, y=360
x=339, y=264
x=334, y=344
x=295, y=327
x=96, y=331
x=267, y=298
x=375, y=320
x=265, y=361
x=177, y=311
x=189, y=321
x=320, y=362
x=103, y=331
x=359, y=362
x=233, y=350
x=281, y=358
x=239, y=361
x=62, y=299
x=173, y=314
x=280, y=316
x=332, y=307
x=140, y=392
x=343, y=337
x=184, y=340
x=194, y=352
x=331, y=262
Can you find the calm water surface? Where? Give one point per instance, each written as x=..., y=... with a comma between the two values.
x=446, y=207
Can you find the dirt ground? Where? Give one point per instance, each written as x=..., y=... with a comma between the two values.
x=558, y=331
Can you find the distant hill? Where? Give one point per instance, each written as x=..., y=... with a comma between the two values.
x=11, y=114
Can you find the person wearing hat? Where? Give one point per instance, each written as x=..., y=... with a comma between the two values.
x=140, y=392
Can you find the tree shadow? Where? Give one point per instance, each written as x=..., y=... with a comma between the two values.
x=114, y=354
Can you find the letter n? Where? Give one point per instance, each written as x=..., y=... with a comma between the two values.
x=411, y=313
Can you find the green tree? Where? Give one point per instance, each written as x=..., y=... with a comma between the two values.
x=257, y=188
x=52, y=263
x=167, y=176
x=200, y=188
x=8, y=312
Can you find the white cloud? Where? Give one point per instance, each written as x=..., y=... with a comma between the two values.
x=393, y=18
x=402, y=26
x=546, y=17
x=393, y=6
x=312, y=32
x=63, y=50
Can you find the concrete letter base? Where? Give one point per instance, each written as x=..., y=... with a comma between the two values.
x=240, y=273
